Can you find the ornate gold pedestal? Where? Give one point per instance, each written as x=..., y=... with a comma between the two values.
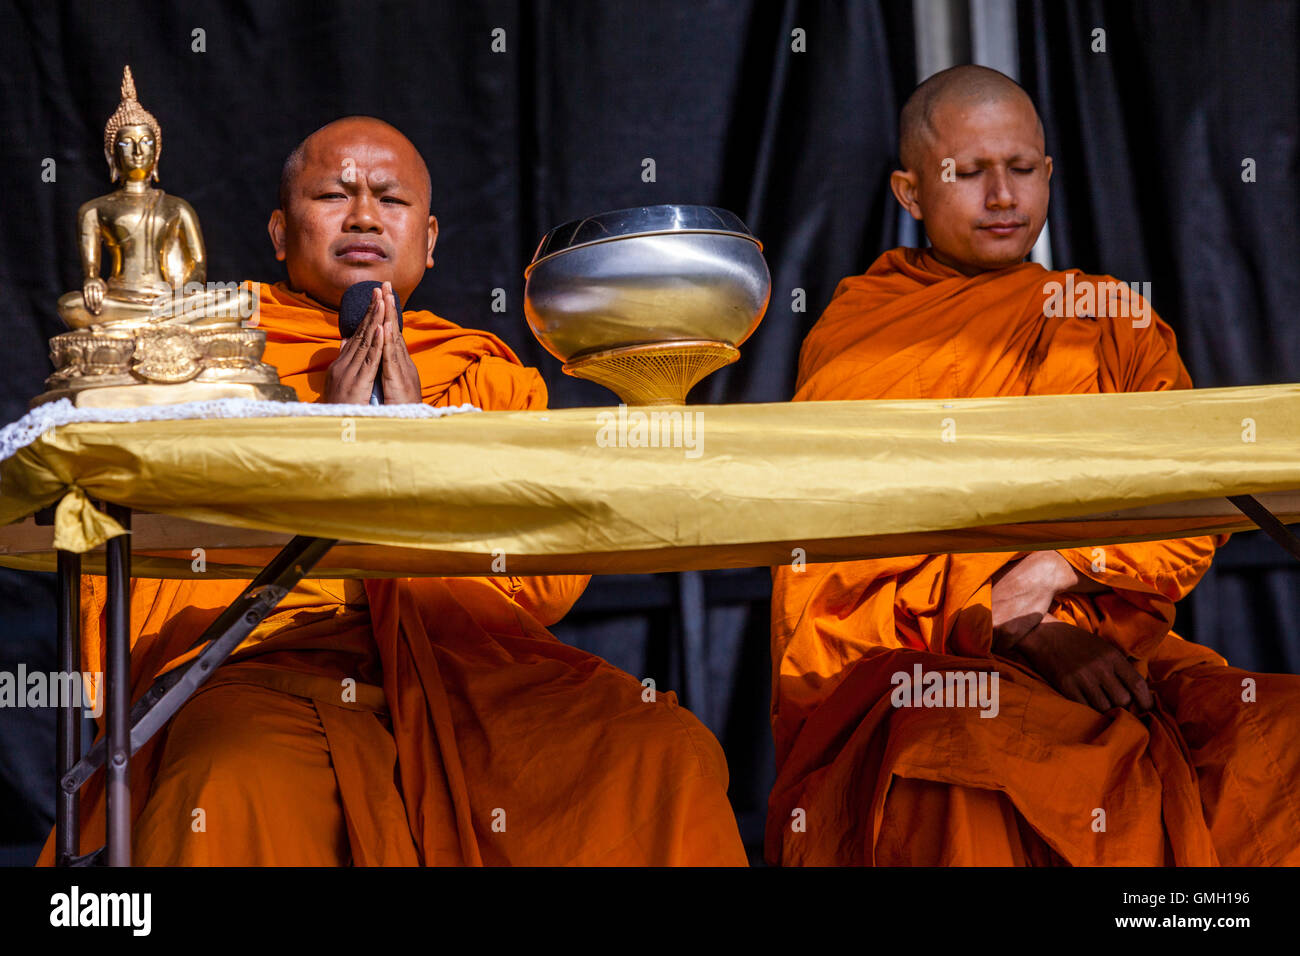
x=658, y=373
x=113, y=367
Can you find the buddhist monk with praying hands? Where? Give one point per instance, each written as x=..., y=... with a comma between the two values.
x=412, y=721
x=1109, y=739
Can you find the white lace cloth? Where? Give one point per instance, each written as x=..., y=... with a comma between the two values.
x=42, y=418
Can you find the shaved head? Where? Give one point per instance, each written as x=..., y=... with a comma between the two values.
x=961, y=87
x=975, y=169
x=294, y=162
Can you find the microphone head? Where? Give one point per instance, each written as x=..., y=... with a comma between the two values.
x=355, y=302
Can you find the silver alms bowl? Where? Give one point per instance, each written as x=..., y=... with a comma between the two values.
x=653, y=274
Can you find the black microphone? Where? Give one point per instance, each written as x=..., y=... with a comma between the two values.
x=352, y=310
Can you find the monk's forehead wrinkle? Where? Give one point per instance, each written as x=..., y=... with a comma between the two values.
x=376, y=162
x=381, y=182
x=351, y=178
x=970, y=142
x=983, y=158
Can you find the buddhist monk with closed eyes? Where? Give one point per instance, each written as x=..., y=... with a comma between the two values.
x=1115, y=741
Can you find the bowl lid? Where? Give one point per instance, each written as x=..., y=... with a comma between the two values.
x=640, y=221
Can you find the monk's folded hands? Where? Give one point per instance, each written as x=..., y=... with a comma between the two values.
x=401, y=379
x=351, y=376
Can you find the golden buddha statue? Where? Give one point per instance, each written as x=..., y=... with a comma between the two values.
x=152, y=332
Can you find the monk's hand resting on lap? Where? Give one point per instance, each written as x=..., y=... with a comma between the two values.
x=1079, y=664
x=1084, y=667
x=376, y=343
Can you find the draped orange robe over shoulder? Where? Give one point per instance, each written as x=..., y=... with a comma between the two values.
x=1209, y=777
x=406, y=721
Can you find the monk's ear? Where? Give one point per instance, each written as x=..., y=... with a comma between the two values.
x=276, y=227
x=903, y=183
x=433, y=241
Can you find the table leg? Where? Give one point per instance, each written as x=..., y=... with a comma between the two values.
x=117, y=700
x=67, y=820
x=168, y=693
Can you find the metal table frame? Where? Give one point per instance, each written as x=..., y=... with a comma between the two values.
x=128, y=728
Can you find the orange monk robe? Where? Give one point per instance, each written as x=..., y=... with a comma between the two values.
x=412, y=721
x=1206, y=778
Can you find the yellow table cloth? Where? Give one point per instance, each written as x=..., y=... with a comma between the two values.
x=577, y=490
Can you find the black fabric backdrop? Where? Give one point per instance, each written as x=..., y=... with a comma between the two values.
x=1148, y=140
